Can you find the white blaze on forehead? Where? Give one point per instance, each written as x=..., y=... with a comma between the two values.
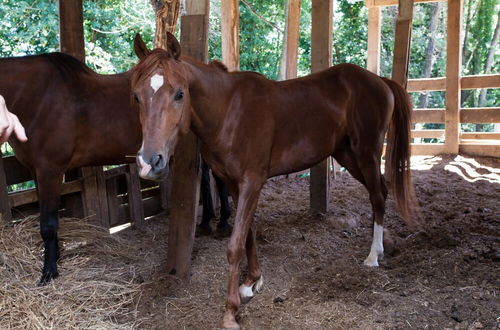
x=156, y=82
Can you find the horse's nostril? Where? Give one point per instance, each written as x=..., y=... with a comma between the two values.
x=157, y=161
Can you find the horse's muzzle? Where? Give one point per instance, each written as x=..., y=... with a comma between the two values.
x=156, y=168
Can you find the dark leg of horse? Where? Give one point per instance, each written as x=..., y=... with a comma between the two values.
x=254, y=280
x=49, y=188
x=206, y=197
x=247, y=203
x=223, y=226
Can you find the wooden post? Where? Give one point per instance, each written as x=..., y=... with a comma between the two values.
x=134, y=196
x=321, y=58
x=167, y=13
x=373, y=60
x=402, y=41
x=185, y=171
x=72, y=43
x=292, y=38
x=5, y=211
x=453, y=66
x=230, y=28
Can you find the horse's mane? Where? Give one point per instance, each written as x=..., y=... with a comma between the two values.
x=148, y=64
x=67, y=65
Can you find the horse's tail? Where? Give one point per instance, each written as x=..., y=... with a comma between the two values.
x=398, y=152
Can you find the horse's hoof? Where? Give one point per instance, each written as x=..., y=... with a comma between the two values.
x=370, y=262
x=223, y=231
x=203, y=230
x=229, y=322
x=47, y=277
x=248, y=292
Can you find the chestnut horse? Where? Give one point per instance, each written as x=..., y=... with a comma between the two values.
x=73, y=117
x=252, y=128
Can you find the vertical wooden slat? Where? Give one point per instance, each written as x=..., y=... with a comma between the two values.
x=5, y=211
x=292, y=38
x=230, y=30
x=135, y=196
x=112, y=192
x=321, y=54
x=373, y=60
x=402, y=41
x=167, y=13
x=453, y=63
x=185, y=171
x=100, y=192
x=71, y=28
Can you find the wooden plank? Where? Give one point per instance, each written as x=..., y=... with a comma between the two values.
x=453, y=66
x=71, y=28
x=427, y=149
x=186, y=165
x=31, y=195
x=428, y=134
x=5, y=211
x=321, y=58
x=428, y=116
x=135, y=197
x=166, y=17
x=374, y=24
x=116, y=171
x=292, y=38
x=480, y=81
x=395, y=2
x=15, y=171
x=480, y=149
x=480, y=136
x=100, y=192
x=480, y=115
x=402, y=41
x=111, y=190
x=426, y=84
x=230, y=30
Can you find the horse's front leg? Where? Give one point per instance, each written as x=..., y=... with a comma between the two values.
x=49, y=185
x=249, y=192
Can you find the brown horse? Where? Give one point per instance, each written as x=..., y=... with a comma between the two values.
x=252, y=128
x=73, y=117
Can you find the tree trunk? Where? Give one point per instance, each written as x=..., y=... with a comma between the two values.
x=282, y=68
x=167, y=13
x=429, y=51
x=489, y=60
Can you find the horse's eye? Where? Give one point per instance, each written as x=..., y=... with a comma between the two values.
x=136, y=98
x=179, y=95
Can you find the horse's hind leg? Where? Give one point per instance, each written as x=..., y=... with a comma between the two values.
x=370, y=168
x=223, y=226
x=49, y=188
x=366, y=169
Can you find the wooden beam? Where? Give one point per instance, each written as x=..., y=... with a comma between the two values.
x=321, y=58
x=484, y=150
x=71, y=28
x=185, y=171
x=428, y=116
x=453, y=66
x=426, y=84
x=480, y=136
x=395, y=2
x=402, y=40
x=480, y=81
x=373, y=60
x=427, y=149
x=5, y=211
x=292, y=38
x=166, y=13
x=428, y=134
x=134, y=196
x=31, y=196
x=480, y=115
x=230, y=31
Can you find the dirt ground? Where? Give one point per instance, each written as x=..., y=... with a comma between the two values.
x=447, y=277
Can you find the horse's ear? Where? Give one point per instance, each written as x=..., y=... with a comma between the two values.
x=173, y=46
x=140, y=47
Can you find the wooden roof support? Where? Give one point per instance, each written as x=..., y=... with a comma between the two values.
x=72, y=43
x=402, y=41
x=321, y=58
x=292, y=38
x=185, y=171
x=230, y=28
x=374, y=19
x=453, y=68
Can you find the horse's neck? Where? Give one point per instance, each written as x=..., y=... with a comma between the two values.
x=210, y=90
